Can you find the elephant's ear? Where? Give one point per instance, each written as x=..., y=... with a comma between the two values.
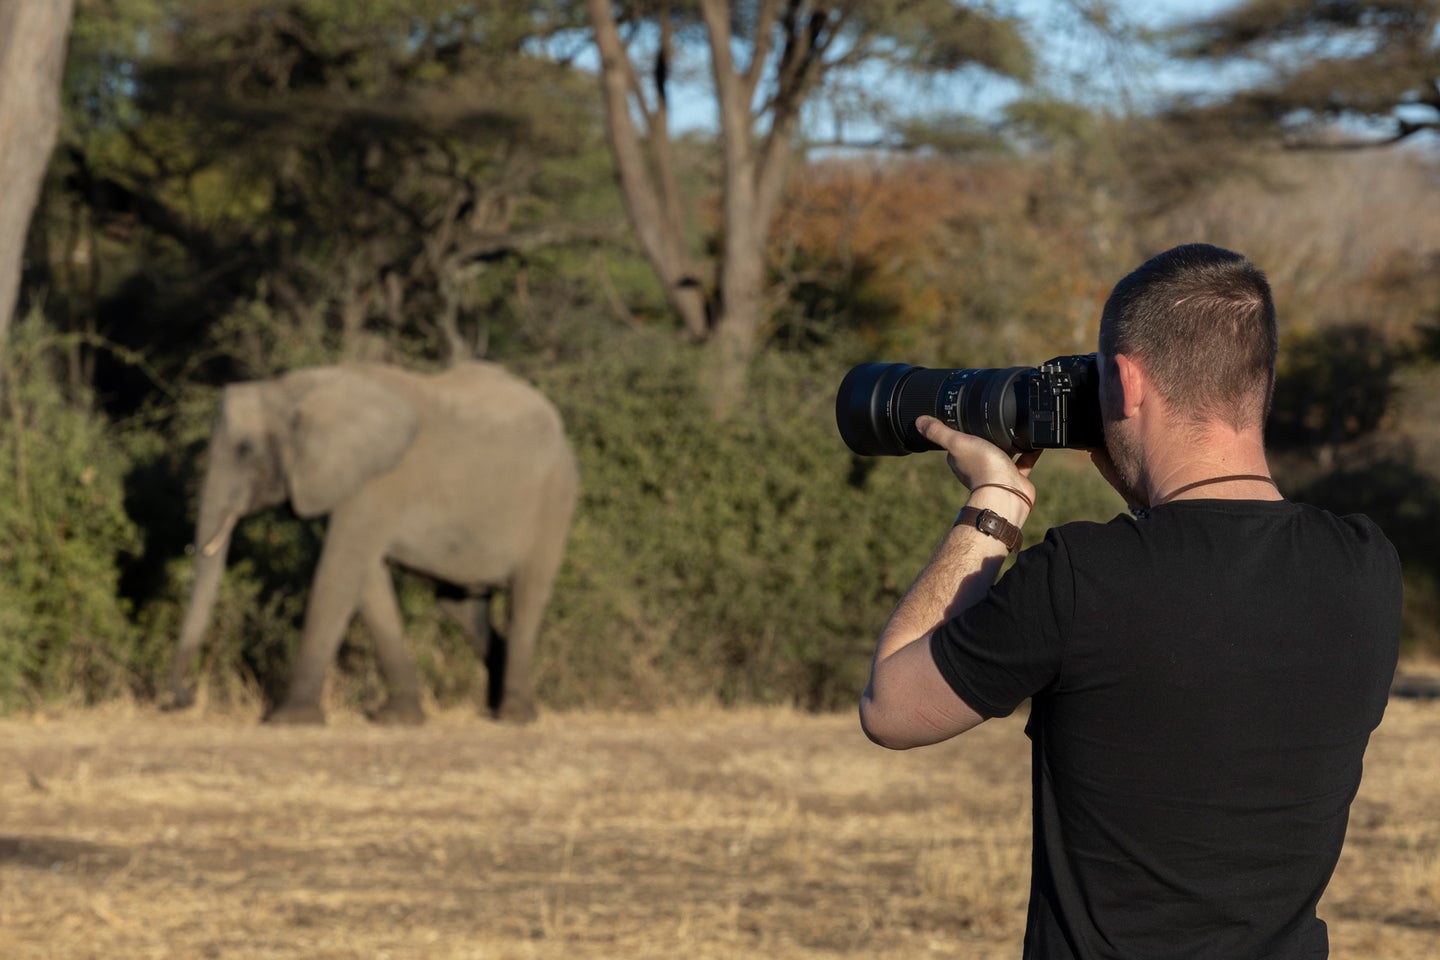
x=343, y=429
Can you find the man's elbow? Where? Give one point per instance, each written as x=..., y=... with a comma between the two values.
x=904, y=724
x=882, y=730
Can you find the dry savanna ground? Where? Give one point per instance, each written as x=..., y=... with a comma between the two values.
x=707, y=833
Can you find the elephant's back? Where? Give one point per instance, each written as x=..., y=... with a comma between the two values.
x=484, y=403
x=488, y=393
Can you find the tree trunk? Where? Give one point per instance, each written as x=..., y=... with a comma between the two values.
x=647, y=182
x=730, y=314
x=33, y=35
x=752, y=172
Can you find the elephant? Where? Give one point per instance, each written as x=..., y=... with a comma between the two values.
x=465, y=476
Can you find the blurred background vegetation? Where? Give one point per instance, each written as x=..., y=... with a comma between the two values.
x=248, y=186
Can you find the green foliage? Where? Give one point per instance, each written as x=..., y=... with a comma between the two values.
x=249, y=186
x=747, y=560
x=283, y=183
x=938, y=35
x=1334, y=386
x=258, y=342
x=1330, y=68
x=64, y=631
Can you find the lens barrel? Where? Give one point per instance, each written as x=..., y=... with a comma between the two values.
x=863, y=411
x=878, y=403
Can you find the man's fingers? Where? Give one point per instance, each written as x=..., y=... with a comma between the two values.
x=958, y=442
x=973, y=459
x=932, y=429
x=942, y=435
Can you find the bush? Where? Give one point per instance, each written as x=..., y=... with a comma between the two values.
x=746, y=560
x=749, y=560
x=64, y=632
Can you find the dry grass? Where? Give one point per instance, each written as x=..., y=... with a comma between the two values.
x=126, y=833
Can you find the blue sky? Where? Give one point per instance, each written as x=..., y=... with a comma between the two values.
x=1102, y=63
x=1078, y=63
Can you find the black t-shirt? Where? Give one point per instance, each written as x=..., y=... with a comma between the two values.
x=1204, y=683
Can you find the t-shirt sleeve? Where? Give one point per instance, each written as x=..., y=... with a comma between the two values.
x=1009, y=646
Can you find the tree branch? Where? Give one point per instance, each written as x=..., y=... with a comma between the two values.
x=1404, y=131
x=760, y=47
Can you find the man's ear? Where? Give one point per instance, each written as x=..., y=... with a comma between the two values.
x=1134, y=384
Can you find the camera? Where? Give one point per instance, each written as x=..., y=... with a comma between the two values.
x=1056, y=404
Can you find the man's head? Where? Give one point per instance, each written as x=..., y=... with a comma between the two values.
x=1201, y=321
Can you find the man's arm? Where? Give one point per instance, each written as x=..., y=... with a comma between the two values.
x=908, y=703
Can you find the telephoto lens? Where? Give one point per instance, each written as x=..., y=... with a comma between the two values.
x=1016, y=408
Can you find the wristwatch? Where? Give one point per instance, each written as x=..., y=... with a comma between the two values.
x=991, y=523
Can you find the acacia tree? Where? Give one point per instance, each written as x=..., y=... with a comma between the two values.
x=360, y=174
x=767, y=59
x=32, y=56
x=1333, y=73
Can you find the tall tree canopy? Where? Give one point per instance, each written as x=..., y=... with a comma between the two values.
x=1332, y=72
x=767, y=60
x=349, y=173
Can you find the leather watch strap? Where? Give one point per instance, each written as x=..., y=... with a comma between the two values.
x=990, y=522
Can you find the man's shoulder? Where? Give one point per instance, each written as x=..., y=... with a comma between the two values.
x=1082, y=542
x=1364, y=539
x=1308, y=519
x=1285, y=531
x=1257, y=523
x=1074, y=534
x=1358, y=524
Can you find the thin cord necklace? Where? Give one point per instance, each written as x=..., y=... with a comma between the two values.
x=1205, y=483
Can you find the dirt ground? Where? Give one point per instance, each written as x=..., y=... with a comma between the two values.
x=126, y=833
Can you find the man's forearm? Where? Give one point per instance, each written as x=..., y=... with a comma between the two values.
x=908, y=702
x=961, y=571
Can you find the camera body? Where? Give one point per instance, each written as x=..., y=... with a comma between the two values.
x=1056, y=404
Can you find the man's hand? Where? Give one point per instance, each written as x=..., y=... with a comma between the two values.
x=976, y=461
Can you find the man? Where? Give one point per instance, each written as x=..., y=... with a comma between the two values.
x=1204, y=677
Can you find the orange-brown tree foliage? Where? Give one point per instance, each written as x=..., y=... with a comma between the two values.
x=982, y=261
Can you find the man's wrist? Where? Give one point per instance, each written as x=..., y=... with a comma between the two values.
x=989, y=522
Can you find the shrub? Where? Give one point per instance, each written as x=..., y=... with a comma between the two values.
x=64, y=632
x=752, y=559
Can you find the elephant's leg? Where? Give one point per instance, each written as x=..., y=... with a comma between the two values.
x=529, y=593
x=341, y=575
x=497, y=662
x=472, y=613
x=382, y=616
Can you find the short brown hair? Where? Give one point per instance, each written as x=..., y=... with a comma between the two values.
x=1202, y=321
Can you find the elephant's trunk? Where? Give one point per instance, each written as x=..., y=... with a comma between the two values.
x=209, y=565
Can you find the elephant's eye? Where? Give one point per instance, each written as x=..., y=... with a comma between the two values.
x=244, y=450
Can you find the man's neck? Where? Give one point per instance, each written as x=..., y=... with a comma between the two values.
x=1211, y=461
